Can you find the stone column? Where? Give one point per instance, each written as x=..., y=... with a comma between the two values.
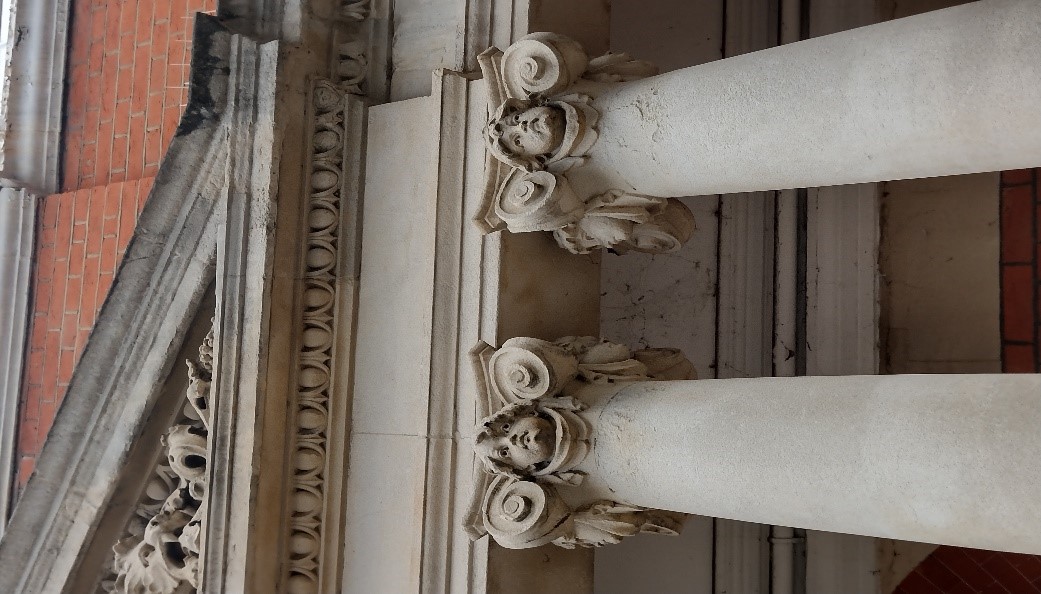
x=943, y=93
x=949, y=459
x=592, y=142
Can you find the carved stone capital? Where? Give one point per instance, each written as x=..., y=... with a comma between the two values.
x=538, y=440
x=542, y=127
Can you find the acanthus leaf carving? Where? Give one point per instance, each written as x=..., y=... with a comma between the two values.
x=162, y=556
x=543, y=125
x=536, y=442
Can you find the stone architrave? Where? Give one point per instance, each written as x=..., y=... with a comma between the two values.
x=585, y=450
x=591, y=149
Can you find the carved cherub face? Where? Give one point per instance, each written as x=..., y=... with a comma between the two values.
x=525, y=134
x=522, y=440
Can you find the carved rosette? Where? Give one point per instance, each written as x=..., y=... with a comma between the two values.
x=160, y=550
x=535, y=443
x=543, y=125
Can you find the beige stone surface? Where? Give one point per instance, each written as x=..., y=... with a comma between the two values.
x=939, y=265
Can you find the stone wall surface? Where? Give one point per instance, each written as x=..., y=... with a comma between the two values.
x=953, y=570
x=125, y=90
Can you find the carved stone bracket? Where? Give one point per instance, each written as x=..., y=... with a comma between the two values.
x=542, y=128
x=538, y=440
x=161, y=548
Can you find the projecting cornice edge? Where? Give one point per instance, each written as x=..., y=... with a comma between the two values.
x=134, y=346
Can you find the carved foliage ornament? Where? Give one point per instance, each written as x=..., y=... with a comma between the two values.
x=542, y=124
x=162, y=556
x=536, y=441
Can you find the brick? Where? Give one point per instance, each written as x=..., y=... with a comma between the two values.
x=94, y=223
x=144, y=22
x=63, y=223
x=955, y=559
x=109, y=249
x=171, y=117
x=939, y=575
x=119, y=154
x=77, y=88
x=81, y=206
x=1017, y=224
x=91, y=121
x=94, y=82
x=55, y=308
x=154, y=112
x=1017, y=297
x=77, y=253
x=1018, y=359
x=127, y=220
x=1017, y=176
x=142, y=63
x=79, y=232
x=915, y=583
x=84, y=336
x=121, y=118
x=26, y=466
x=27, y=427
x=96, y=56
x=46, y=236
x=49, y=212
x=45, y=264
x=38, y=334
x=161, y=33
x=34, y=363
x=1028, y=565
x=67, y=363
x=79, y=44
x=153, y=148
x=87, y=155
x=127, y=18
x=124, y=81
x=104, y=286
x=47, y=410
x=68, y=330
x=112, y=18
x=1003, y=571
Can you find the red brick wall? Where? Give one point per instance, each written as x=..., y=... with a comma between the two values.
x=125, y=90
x=128, y=64
x=1020, y=202
x=953, y=570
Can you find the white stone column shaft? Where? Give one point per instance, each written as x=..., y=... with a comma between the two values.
x=953, y=459
x=947, y=92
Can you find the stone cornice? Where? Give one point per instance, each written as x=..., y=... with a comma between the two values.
x=17, y=227
x=133, y=349
x=33, y=90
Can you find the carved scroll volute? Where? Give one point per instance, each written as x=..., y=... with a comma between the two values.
x=537, y=201
x=525, y=369
x=537, y=442
x=542, y=64
x=522, y=514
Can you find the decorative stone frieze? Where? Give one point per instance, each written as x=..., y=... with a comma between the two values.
x=160, y=552
x=330, y=206
x=534, y=448
x=542, y=127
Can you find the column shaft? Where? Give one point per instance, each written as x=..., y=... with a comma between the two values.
x=952, y=459
x=948, y=92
